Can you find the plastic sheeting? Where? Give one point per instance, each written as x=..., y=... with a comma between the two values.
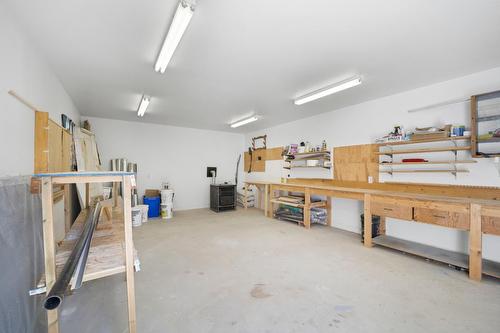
x=21, y=257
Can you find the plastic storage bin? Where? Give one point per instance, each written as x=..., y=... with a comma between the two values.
x=154, y=205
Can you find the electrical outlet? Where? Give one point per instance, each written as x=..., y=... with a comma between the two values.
x=209, y=171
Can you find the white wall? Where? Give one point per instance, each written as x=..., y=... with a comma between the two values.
x=24, y=70
x=365, y=122
x=175, y=154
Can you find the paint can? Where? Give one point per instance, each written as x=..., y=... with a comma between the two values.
x=144, y=212
x=132, y=167
x=136, y=217
x=167, y=196
x=166, y=211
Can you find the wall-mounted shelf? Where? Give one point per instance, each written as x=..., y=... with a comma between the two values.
x=311, y=154
x=493, y=139
x=488, y=118
x=425, y=170
x=423, y=150
x=430, y=162
x=307, y=167
x=410, y=142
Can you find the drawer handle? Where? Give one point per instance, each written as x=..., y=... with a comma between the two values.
x=388, y=209
x=439, y=216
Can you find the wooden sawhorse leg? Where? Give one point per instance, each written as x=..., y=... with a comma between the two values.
x=475, y=243
x=129, y=252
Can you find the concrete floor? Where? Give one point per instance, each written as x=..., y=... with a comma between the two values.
x=242, y=272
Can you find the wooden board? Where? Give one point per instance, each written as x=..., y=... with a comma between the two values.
x=273, y=154
x=41, y=142
x=87, y=159
x=356, y=163
x=461, y=191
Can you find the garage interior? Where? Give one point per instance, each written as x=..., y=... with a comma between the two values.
x=250, y=166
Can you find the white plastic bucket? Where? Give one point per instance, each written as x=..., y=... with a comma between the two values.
x=166, y=211
x=167, y=196
x=144, y=212
x=136, y=217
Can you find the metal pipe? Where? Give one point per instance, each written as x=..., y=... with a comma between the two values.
x=82, y=246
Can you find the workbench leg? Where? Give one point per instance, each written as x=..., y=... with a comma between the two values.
x=329, y=216
x=49, y=249
x=368, y=221
x=381, y=226
x=270, y=204
x=475, y=243
x=266, y=200
x=129, y=252
x=245, y=204
x=307, y=208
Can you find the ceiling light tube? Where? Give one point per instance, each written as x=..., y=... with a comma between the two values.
x=244, y=121
x=179, y=24
x=143, y=105
x=331, y=89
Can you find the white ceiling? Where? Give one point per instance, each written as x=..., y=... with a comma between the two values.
x=241, y=56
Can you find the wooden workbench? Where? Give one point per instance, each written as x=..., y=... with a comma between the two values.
x=477, y=213
x=112, y=249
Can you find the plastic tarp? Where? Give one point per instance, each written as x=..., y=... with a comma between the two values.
x=21, y=257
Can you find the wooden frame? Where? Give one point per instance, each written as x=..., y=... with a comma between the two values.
x=48, y=180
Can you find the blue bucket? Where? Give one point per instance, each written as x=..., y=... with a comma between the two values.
x=154, y=205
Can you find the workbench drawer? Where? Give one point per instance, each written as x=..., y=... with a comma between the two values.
x=491, y=225
x=388, y=210
x=442, y=218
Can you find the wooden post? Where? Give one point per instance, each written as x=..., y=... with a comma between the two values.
x=129, y=252
x=368, y=221
x=115, y=194
x=266, y=199
x=329, y=216
x=49, y=249
x=245, y=205
x=307, y=208
x=67, y=207
x=475, y=243
x=270, y=204
x=381, y=226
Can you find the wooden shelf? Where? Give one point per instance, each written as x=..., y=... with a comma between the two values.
x=326, y=158
x=312, y=153
x=490, y=140
x=107, y=251
x=306, y=167
x=410, y=142
x=318, y=204
x=488, y=118
x=430, y=162
x=457, y=259
x=423, y=150
x=423, y=170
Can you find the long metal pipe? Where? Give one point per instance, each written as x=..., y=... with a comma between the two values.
x=76, y=259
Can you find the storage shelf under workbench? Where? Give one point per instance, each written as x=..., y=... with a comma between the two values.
x=457, y=259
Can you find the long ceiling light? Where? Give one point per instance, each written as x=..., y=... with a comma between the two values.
x=177, y=28
x=332, y=89
x=244, y=121
x=143, y=105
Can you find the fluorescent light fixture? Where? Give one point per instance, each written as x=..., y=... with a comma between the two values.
x=244, y=121
x=143, y=105
x=177, y=28
x=332, y=89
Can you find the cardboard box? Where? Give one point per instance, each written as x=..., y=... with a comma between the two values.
x=152, y=193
